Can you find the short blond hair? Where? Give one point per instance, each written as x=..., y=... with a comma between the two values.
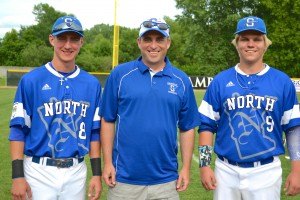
x=268, y=42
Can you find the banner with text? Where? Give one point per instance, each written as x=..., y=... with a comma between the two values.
x=296, y=82
x=200, y=82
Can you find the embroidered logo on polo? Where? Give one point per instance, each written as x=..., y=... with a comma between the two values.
x=172, y=88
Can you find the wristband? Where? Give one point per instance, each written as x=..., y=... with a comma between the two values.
x=205, y=153
x=96, y=166
x=17, y=168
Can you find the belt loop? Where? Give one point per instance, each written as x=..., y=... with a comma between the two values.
x=75, y=161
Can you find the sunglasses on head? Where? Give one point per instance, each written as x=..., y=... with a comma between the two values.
x=150, y=24
x=65, y=26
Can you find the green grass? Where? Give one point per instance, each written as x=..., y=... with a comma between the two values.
x=2, y=81
x=195, y=190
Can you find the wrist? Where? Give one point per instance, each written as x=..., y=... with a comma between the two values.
x=96, y=166
x=205, y=155
x=17, y=169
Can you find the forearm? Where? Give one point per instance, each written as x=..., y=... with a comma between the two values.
x=205, y=138
x=17, y=150
x=186, y=146
x=95, y=151
x=17, y=156
x=107, y=140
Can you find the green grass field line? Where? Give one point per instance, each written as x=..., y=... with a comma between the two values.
x=194, y=191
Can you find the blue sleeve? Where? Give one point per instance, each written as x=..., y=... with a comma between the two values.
x=109, y=106
x=97, y=114
x=291, y=107
x=210, y=108
x=22, y=108
x=189, y=117
x=95, y=135
x=17, y=133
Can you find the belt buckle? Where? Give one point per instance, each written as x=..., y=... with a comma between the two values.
x=62, y=163
x=58, y=163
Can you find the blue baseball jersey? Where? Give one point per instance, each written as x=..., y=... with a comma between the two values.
x=147, y=111
x=249, y=113
x=59, y=113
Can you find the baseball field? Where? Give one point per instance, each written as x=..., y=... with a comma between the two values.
x=194, y=192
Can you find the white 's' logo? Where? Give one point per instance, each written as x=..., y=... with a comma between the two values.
x=172, y=88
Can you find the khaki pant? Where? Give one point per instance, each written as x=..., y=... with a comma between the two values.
x=122, y=191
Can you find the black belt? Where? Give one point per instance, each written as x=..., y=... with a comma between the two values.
x=248, y=164
x=57, y=162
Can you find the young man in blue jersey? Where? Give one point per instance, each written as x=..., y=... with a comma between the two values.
x=248, y=107
x=144, y=101
x=55, y=122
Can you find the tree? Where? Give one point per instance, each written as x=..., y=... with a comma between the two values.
x=18, y=48
x=29, y=54
x=95, y=54
x=210, y=26
x=128, y=48
x=45, y=16
x=10, y=48
x=282, y=20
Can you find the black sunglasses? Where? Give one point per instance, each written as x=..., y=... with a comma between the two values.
x=64, y=26
x=150, y=24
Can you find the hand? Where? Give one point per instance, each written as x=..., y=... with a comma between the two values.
x=95, y=188
x=292, y=184
x=208, y=179
x=183, y=180
x=20, y=189
x=109, y=175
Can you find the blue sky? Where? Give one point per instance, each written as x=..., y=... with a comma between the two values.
x=14, y=13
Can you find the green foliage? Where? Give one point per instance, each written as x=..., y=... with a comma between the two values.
x=128, y=49
x=96, y=54
x=29, y=55
x=282, y=19
x=208, y=28
x=201, y=37
x=10, y=48
x=94, y=63
x=45, y=17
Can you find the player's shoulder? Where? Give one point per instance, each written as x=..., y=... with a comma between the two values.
x=34, y=73
x=226, y=72
x=278, y=73
x=86, y=74
x=225, y=75
x=90, y=78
